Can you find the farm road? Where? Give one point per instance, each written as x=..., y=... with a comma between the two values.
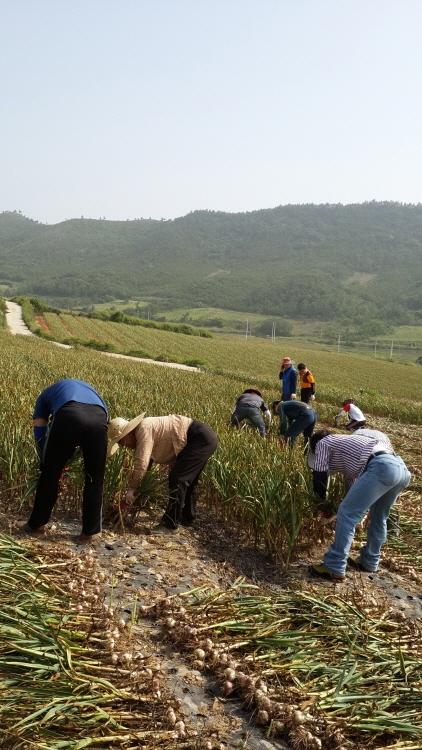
x=14, y=320
x=16, y=325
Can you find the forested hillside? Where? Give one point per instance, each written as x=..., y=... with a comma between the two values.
x=330, y=262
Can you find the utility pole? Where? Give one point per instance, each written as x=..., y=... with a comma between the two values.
x=391, y=350
x=273, y=334
x=247, y=324
x=338, y=343
x=375, y=352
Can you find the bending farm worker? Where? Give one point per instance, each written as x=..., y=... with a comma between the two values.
x=295, y=417
x=288, y=377
x=78, y=419
x=307, y=384
x=375, y=476
x=184, y=444
x=356, y=417
x=251, y=406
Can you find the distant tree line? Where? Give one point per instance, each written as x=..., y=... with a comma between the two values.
x=348, y=265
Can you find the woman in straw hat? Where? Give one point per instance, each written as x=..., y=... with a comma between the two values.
x=184, y=444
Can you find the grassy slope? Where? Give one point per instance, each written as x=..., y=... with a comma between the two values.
x=385, y=384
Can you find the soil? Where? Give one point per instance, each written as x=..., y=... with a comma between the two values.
x=43, y=324
x=142, y=568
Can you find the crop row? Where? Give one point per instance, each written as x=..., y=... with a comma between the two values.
x=265, y=491
x=380, y=387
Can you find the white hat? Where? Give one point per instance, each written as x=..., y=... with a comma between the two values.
x=118, y=428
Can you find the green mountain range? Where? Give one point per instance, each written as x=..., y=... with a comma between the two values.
x=359, y=262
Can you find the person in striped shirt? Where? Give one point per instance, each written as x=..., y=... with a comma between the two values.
x=374, y=477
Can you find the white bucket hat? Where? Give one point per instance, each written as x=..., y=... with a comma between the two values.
x=118, y=428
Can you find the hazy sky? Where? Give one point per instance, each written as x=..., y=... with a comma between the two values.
x=130, y=108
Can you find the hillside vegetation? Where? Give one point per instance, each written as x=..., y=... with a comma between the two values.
x=355, y=263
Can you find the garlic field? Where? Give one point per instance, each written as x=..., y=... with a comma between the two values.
x=321, y=668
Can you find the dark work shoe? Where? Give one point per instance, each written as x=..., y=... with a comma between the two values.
x=320, y=571
x=24, y=528
x=164, y=530
x=355, y=563
x=82, y=538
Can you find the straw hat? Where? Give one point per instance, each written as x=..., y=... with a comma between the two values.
x=118, y=428
x=287, y=361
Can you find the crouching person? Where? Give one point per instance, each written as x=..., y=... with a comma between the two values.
x=296, y=417
x=184, y=444
x=357, y=419
x=375, y=476
x=251, y=406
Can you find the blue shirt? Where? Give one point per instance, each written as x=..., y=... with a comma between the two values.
x=288, y=411
x=59, y=394
x=289, y=379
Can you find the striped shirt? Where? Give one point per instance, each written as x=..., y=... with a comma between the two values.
x=159, y=439
x=349, y=454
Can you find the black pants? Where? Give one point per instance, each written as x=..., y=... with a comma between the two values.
x=184, y=475
x=354, y=425
x=74, y=425
x=305, y=395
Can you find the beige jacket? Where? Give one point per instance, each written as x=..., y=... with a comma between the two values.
x=159, y=439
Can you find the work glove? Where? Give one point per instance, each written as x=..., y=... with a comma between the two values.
x=312, y=398
x=293, y=396
x=128, y=500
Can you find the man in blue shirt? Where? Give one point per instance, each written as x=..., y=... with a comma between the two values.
x=79, y=418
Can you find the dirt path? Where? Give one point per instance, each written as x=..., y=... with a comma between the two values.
x=43, y=324
x=141, y=569
x=16, y=325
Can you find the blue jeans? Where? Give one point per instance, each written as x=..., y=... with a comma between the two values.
x=376, y=490
x=253, y=414
x=304, y=422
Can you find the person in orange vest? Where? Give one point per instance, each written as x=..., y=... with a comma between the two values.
x=307, y=384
